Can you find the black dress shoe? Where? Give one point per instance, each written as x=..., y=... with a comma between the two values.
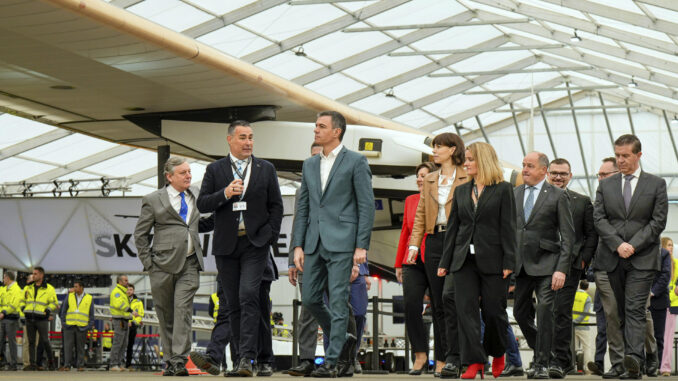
x=614, y=372
x=530, y=373
x=304, y=369
x=244, y=368
x=181, y=371
x=556, y=372
x=169, y=370
x=231, y=373
x=325, y=371
x=205, y=363
x=450, y=370
x=512, y=371
x=651, y=364
x=595, y=368
x=541, y=373
x=633, y=371
x=631, y=376
x=345, y=370
x=569, y=371
x=264, y=370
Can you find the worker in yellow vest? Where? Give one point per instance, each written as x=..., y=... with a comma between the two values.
x=583, y=334
x=213, y=308
x=39, y=306
x=77, y=316
x=121, y=314
x=11, y=296
x=277, y=320
x=136, y=306
x=107, y=338
x=669, y=328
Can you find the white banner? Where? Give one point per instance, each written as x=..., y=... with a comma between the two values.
x=89, y=235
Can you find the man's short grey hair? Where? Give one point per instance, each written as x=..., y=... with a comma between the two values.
x=172, y=163
x=11, y=275
x=119, y=278
x=237, y=123
x=543, y=159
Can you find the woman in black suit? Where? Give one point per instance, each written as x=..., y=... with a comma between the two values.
x=479, y=248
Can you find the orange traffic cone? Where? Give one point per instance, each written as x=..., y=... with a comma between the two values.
x=192, y=369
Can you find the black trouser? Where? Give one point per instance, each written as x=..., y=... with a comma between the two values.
x=415, y=283
x=631, y=289
x=265, y=344
x=241, y=274
x=130, y=345
x=481, y=291
x=601, y=336
x=434, y=249
x=562, y=320
x=452, y=355
x=659, y=320
x=221, y=333
x=42, y=328
x=524, y=311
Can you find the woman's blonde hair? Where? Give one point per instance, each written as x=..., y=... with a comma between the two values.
x=665, y=241
x=489, y=170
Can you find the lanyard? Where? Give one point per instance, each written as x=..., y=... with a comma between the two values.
x=242, y=174
x=475, y=192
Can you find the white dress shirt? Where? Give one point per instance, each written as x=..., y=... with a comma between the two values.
x=536, y=192
x=443, y=194
x=326, y=163
x=634, y=181
x=175, y=200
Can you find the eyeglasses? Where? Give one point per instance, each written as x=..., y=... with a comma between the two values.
x=605, y=174
x=559, y=174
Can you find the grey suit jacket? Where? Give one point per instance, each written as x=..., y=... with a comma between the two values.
x=585, y=236
x=545, y=239
x=168, y=250
x=341, y=216
x=641, y=226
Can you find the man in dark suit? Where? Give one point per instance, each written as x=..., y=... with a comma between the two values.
x=630, y=214
x=244, y=194
x=583, y=247
x=332, y=230
x=659, y=302
x=545, y=238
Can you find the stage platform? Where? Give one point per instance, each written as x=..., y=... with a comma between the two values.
x=134, y=376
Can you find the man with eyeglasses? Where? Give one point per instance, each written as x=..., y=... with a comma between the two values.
x=585, y=242
x=605, y=307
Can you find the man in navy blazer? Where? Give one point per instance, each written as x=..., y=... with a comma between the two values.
x=332, y=229
x=630, y=213
x=244, y=194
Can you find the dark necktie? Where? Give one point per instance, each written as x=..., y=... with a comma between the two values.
x=529, y=203
x=627, y=191
x=183, y=209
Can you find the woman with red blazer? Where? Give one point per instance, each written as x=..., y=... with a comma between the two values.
x=413, y=277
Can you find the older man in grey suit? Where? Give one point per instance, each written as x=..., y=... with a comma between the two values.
x=173, y=260
x=332, y=230
x=630, y=214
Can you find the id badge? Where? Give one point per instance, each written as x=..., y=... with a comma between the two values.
x=472, y=249
x=239, y=206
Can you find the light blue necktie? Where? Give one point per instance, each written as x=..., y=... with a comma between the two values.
x=183, y=209
x=529, y=203
x=236, y=174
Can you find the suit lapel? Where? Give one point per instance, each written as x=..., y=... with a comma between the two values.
x=335, y=166
x=165, y=201
x=459, y=178
x=484, y=196
x=315, y=185
x=255, y=172
x=227, y=170
x=519, y=201
x=434, y=186
x=194, y=213
x=615, y=182
x=543, y=194
x=641, y=183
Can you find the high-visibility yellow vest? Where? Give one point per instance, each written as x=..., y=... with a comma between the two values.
x=138, y=306
x=579, y=303
x=119, y=303
x=11, y=298
x=107, y=339
x=672, y=284
x=92, y=334
x=215, y=300
x=39, y=299
x=78, y=315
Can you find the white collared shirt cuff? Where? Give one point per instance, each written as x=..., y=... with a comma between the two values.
x=414, y=248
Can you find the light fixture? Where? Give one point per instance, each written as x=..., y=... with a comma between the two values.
x=300, y=52
x=575, y=37
x=390, y=93
x=633, y=84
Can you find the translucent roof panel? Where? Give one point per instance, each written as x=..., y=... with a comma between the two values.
x=173, y=14
x=285, y=20
x=15, y=130
x=61, y=151
x=15, y=169
x=234, y=41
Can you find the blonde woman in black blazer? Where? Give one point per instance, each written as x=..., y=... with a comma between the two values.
x=479, y=249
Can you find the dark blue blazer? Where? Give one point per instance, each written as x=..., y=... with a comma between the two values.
x=660, y=286
x=264, y=205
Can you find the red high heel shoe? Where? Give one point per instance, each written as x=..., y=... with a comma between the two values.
x=473, y=370
x=497, y=366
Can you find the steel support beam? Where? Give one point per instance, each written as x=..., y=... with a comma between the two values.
x=568, y=108
x=520, y=136
x=472, y=50
x=607, y=120
x=436, y=25
x=541, y=90
x=232, y=17
x=482, y=129
x=33, y=142
x=522, y=71
x=673, y=141
x=451, y=91
x=377, y=51
x=546, y=125
x=323, y=30
x=628, y=112
x=666, y=4
x=581, y=146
